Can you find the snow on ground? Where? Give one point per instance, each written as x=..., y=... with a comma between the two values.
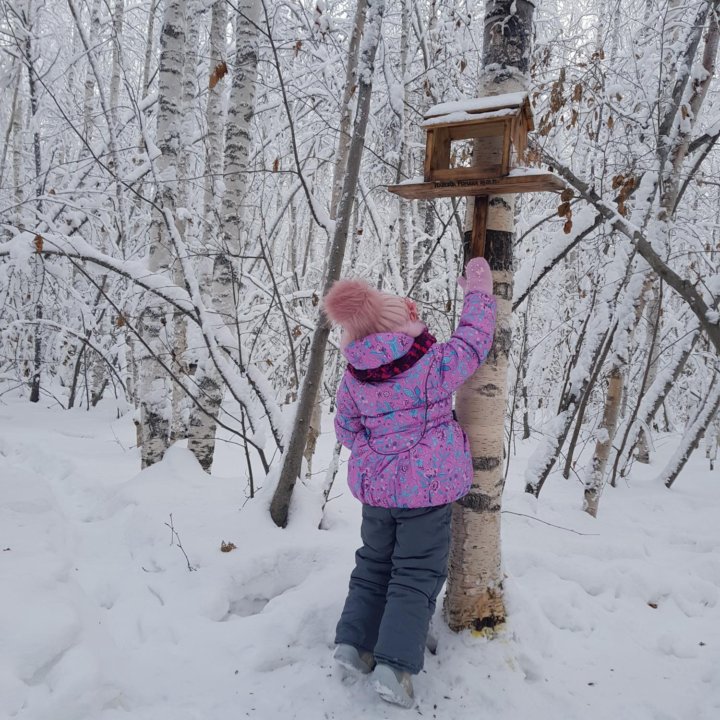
x=101, y=619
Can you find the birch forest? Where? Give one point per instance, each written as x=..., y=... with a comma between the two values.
x=179, y=181
x=181, y=184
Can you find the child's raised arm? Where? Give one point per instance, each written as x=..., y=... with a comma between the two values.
x=470, y=343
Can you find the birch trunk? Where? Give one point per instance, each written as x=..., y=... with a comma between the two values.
x=523, y=372
x=111, y=113
x=89, y=94
x=643, y=447
x=149, y=47
x=474, y=596
x=180, y=402
x=238, y=141
x=17, y=154
x=703, y=418
x=292, y=460
x=38, y=268
x=712, y=439
x=614, y=396
x=214, y=120
x=595, y=481
x=155, y=387
x=653, y=400
x=15, y=74
x=201, y=429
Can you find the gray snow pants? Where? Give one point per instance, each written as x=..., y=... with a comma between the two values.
x=398, y=574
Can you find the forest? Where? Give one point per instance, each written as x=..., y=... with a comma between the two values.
x=182, y=181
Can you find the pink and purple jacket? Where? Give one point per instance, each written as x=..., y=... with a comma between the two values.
x=407, y=450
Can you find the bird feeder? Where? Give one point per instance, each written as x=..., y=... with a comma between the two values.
x=506, y=118
x=502, y=124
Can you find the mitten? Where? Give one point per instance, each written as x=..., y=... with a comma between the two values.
x=477, y=277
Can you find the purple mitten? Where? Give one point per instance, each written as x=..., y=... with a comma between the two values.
x=478, y=276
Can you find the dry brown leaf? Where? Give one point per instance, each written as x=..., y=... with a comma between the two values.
x=218, y=74
x=567, y=227
x=564, y=210
x=227, y=547
x=567, y=195
x=38, y=242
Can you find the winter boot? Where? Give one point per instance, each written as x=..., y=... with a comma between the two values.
x=393, y=686
x=354, y=660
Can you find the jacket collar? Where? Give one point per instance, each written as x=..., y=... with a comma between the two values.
x=398, y=364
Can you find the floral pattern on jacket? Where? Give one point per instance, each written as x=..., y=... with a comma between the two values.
x=407, y=450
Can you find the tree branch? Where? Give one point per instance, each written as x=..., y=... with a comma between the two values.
x=707, y=317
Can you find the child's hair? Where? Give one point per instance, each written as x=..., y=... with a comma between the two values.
x=362, y=310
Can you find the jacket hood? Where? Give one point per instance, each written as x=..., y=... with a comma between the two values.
x=378, y=349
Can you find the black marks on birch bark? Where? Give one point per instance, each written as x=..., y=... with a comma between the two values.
x=508, y=35
x=498, y=250
x=488, y=390
x=479, y=502
x=485, y=463
x=502, y=342
x=489, y=622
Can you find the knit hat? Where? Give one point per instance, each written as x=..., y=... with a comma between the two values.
x=362, y=310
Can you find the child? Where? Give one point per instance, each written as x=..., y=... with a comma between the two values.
x=409, y=461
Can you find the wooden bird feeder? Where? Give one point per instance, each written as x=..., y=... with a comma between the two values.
x=504, y=120
x=501, y=124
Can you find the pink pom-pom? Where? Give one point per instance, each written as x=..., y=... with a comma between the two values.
x=355, y=305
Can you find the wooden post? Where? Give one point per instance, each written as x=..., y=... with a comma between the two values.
x=474, y=238
x=479, y=226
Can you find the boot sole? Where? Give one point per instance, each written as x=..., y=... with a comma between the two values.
x=394, y=694
x=390, y=696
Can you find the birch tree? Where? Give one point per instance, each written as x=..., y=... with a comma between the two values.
x=474, y=594
x=233, y=231
x=155, y=388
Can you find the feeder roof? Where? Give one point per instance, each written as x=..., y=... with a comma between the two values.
x=479, y=106
x=460, y=116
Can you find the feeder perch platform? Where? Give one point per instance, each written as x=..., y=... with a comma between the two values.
x=520, y=180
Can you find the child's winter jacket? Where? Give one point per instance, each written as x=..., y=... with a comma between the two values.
x=407, y=449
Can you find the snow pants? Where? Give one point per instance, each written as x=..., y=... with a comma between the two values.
x=399, y=571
